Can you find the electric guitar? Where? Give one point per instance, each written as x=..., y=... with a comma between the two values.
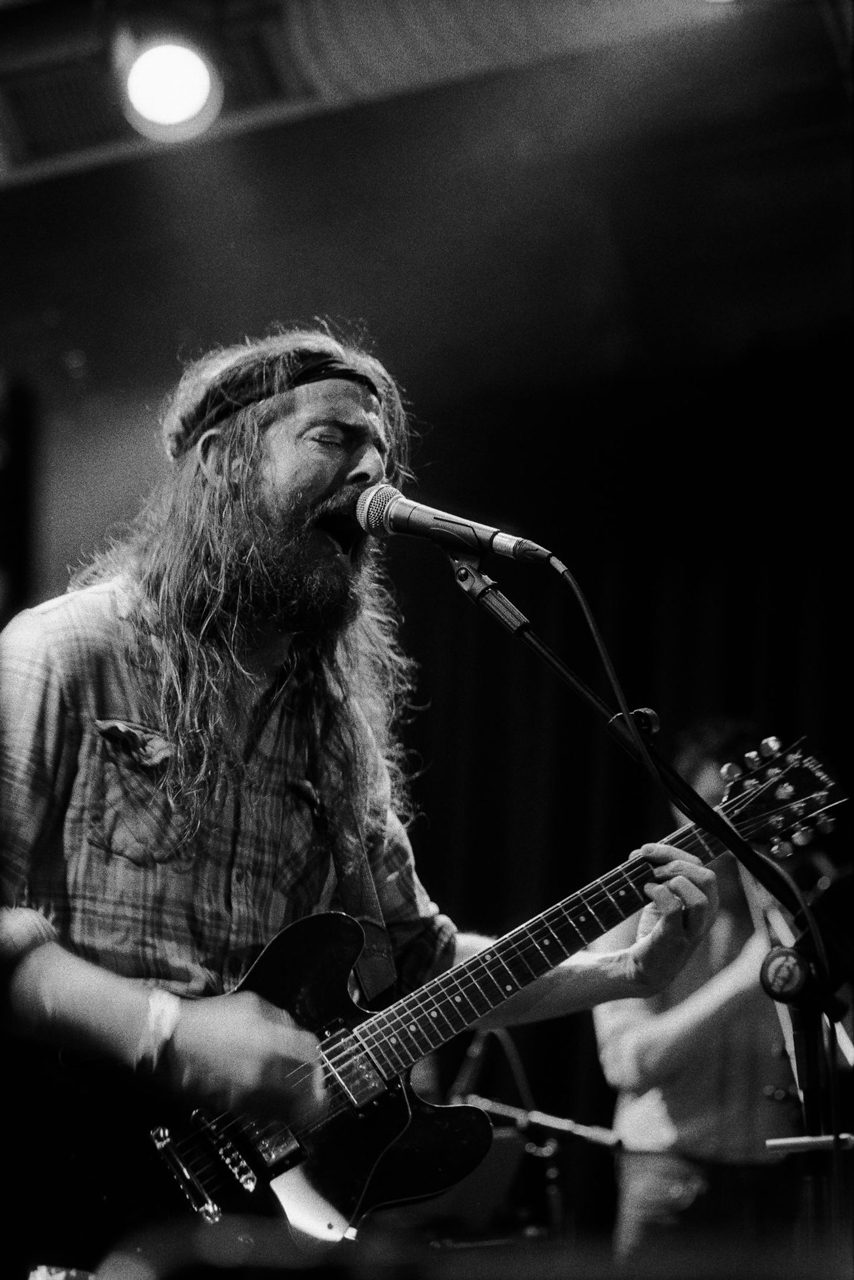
x=378, y=1144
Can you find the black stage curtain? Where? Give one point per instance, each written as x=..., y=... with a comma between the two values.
x=704, y=516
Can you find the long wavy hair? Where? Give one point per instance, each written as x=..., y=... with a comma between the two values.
x=183, y=559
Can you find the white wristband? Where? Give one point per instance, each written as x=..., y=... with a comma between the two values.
x=164, y=1010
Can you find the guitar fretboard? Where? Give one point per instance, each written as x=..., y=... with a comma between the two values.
x=400, y=1036
x=776, y=798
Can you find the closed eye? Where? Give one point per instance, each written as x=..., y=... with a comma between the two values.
x=343, y=435
x=337, y=441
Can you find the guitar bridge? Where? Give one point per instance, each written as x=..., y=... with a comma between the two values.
x=186, y=1179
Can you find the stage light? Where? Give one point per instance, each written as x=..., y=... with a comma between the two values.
x=170, y=87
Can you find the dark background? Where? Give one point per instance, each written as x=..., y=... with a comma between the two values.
x=615, y=285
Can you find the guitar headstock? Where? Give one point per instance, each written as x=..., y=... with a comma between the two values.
x=779, y=797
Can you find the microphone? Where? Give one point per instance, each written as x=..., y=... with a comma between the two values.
x=470, y=1069
x=382, y=509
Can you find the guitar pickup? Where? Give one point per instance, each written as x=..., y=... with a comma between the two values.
x=226, y=1150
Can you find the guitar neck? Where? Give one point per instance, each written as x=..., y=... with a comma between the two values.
x=401, y=1035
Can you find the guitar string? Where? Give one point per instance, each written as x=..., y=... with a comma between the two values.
x=640, y=869
x=596, y=897
x=355, y=1041
x=346, y=1050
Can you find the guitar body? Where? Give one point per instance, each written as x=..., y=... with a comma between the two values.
x=397, y=1148
x=114, y=1159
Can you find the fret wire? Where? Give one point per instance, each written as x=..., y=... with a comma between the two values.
x=385, y=1053
x=396, y=1037
x=626, y=879
x=604, y=898
x=515, y=983
x=578, y=920
x=527, y=945
x=522, y=949
x=375, y=1031
x=410, y=1025
x=480, y=962
x=567, y=954
x=421, y=1002
x=348, y=1054
x=612, y=900
x=531, y=952
x=569, y=920
x=519, y=954
x=464, y=987
x=549, y=962
x=383, y=1050
x=438, y=1011
x=587, y=903
x=509, y=950
x=452, y=1014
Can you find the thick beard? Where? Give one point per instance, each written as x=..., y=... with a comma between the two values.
x=283, y=580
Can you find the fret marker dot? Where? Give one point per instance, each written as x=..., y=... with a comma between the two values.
x=508, y=987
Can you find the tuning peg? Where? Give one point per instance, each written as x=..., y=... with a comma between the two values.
x=752, y=759
x=781, y=849
x=802, y=836
x=731, y=772
x=826, y=823
x=770, y=746
x=784, y=791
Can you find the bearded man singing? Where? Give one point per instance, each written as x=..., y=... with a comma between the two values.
x=200, y=746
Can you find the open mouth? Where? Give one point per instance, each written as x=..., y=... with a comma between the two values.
x=341, y=529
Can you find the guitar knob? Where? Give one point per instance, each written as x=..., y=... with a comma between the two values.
x=781, y=849
x=770, y=746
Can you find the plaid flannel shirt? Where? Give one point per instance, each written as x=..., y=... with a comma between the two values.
x=90, y=850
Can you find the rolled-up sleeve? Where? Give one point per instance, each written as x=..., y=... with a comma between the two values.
x=34, y=741
x=423, y=938
x=21, y=929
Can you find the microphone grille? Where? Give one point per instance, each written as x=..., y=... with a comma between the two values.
x=372, y=506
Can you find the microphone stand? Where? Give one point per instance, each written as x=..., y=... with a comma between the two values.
x=589, y=1132
x=483, y=591
x=548, y=1150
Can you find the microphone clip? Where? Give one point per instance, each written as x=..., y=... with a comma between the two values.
x=483, y=590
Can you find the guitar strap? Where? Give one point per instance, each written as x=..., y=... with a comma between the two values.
x=768, y=923
x=375, y=967
x=356, y=893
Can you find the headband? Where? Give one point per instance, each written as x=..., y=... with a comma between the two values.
x=221, y=402
x=331, y=367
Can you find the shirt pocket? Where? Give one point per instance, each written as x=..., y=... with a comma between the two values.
x=129, y=815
